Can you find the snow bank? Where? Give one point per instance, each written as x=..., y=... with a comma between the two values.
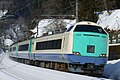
x=8, y=42
x=47, y=22
x=111, y=21
x=3, y=76
x=112, y=70
x=27, y=72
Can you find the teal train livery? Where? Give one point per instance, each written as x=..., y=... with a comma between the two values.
x=82, y=48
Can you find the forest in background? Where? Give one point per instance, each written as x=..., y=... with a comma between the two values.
x=27, y=13
x=36, y=9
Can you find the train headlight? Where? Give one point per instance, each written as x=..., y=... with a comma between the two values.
x=103, y=55
x=76, y=53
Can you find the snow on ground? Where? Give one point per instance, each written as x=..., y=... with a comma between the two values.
x=4, y=75
x=111, y=21
x=112, y=70
x=26, y=72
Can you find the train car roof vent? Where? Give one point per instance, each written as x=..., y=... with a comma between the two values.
x=89, y=23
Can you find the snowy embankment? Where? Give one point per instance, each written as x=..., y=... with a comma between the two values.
x=112, y=70
x=27, y=72
x=110, y=21
x=4, y=75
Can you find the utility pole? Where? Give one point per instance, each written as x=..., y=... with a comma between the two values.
x=117, y=32
x=76, y=10
x=38, y=3
x=105, y=5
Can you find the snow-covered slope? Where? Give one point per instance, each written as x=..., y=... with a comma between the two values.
x=8, y=42
x=111, y=21
x=49, y=22
x=112, y=70
x=2, y=13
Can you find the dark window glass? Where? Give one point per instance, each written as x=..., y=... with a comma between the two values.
x=53, y=44
x=10, y=49
x=14, y=48
x=90, y=49
x=89, y=28
x=23, y=47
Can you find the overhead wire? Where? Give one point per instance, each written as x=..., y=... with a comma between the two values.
x=49, y=13
x=28, y=4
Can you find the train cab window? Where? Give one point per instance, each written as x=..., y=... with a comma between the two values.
x=23, y=47
x=89, y=28
x=53, y=44
x=69, y=29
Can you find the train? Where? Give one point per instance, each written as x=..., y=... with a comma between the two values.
x=82, y=48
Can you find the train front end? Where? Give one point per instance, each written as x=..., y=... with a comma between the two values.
x=90, y=45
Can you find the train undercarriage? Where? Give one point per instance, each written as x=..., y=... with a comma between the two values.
x=66, y=67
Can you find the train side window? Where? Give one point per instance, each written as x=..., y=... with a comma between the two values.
x=53, y=44
x=23, y=47
x=14, y=48
x=48, y=44
x=58, y=44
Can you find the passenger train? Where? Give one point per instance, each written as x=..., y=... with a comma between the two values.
x=82, y=48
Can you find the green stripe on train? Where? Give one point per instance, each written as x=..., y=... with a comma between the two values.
x=30, y=46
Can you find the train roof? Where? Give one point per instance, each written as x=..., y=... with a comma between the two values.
x=86, y=23
x=45, y=36
x=79, y=23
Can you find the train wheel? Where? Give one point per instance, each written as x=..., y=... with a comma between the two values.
x=63, y=67
x=27, y=61
x=42, y=64
x=56, y=66
x=32, y=62
x=75, y=68
x=47, y=64
x=51, y=65
x=36, y=63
